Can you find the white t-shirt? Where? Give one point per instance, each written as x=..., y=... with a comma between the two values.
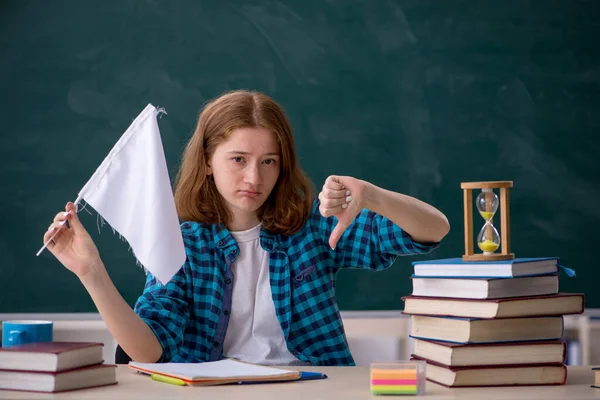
x=254, y=334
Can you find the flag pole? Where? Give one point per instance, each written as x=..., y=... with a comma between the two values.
x=77, y=201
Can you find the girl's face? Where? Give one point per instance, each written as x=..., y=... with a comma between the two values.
x=245, y=168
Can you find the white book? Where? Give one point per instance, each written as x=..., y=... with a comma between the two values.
x=485, y=288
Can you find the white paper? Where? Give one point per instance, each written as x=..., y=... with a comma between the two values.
x=216, y=369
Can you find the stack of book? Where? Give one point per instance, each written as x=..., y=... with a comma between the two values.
x=496, y=323
x=54, y=367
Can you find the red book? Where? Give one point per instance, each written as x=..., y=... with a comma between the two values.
x=499, y=375
x=50, y=356
x=533, y=306
x=79, y=378
x=490, y=354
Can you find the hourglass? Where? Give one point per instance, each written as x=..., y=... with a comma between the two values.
x=487, y=204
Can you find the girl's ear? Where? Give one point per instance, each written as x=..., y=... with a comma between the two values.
x=208, y=168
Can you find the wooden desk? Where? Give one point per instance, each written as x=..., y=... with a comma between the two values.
x=344, y=383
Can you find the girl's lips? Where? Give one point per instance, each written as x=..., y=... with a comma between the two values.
x=249, y=193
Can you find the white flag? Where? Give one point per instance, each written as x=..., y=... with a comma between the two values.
x=131, y=190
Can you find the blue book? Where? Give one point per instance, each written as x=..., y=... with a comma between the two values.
x=457, y=268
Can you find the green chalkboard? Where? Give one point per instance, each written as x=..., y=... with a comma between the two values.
x=416, y=96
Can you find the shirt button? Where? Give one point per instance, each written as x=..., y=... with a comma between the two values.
x=227, y=281
x=226, y=312
x=220, y=243
x=233, y=252
x=216, y=344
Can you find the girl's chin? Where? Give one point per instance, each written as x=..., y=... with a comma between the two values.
x=250, y=203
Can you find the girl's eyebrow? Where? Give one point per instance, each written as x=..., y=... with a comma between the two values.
x=246, y=153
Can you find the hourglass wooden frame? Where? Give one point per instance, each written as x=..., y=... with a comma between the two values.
x=504, y=248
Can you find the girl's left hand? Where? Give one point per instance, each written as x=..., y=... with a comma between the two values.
x=342, y=197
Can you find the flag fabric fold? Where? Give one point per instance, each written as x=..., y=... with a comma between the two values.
x=132, y=192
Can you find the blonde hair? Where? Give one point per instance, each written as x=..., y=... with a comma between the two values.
x=196, y=196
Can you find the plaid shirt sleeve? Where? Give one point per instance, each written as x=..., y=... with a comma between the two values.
x=372, y=241
x=165, y=310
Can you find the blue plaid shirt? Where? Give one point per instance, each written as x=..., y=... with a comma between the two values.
x=189, y=315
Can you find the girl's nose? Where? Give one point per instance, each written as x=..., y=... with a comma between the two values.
x=252, y=175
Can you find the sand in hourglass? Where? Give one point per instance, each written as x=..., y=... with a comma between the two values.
x=488, y=246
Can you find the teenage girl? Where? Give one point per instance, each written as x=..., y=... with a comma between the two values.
x=258, y=283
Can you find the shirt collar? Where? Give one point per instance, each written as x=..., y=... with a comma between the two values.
x=223, y=238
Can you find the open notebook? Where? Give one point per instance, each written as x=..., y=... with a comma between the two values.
x=221, y=372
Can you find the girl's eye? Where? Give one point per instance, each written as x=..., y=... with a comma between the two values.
x=237, y=159
x=269, y=161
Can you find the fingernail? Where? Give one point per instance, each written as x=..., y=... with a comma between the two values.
x=66, y=213
x=345, y=205
x=50, y=229
x=348, y=199
x=347, y=193
x=61, y=223
x=333, y=248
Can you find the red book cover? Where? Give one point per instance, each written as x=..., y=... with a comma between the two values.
x=503, y=344
x=56, y=375
x=501, y=300
x=495, y=367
